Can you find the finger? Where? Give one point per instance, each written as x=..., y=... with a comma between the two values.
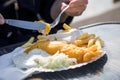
x=63, y=5
x=2, y=21
x=76, y=3
x=79, y=1
x=75, y=11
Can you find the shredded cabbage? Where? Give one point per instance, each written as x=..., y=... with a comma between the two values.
x=58, y=60
x=38, y=58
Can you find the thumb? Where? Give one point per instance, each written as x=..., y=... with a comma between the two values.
x=2, y=21
x=63, y=5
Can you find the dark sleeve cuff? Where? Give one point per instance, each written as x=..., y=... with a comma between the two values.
x=45, y=8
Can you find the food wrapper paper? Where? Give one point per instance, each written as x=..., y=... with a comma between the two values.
x=8, y=71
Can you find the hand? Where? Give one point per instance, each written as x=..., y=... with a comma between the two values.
x=76, y=6
x=2, y=21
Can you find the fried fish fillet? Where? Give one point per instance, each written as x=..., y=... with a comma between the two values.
x=50, y=47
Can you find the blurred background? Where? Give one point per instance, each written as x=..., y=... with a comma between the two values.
x=98, y=11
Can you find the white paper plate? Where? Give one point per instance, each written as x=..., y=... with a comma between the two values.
x=57, y=69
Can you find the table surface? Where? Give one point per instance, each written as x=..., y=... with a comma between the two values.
x=106, y=68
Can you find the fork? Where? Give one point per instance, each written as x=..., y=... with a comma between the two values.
x=56, y=21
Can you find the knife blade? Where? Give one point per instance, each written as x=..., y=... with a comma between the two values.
x=25, y=24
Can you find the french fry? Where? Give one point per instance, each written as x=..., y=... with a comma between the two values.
x=93, y=48
x=47, y=28
x=66, y=27
x=91, y=42
x=41, y=21
x=80, y=42
x=101, y=41
x=31, y=48
x=84, y=36
x=28, y=43
x=42, y=38
x=98, y=52
x=91, y=36
x=98, y=44
x=87, y=57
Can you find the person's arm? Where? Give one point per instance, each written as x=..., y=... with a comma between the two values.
x=76, y=8
x=2, y=21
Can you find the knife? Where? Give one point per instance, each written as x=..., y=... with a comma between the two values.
x=25, y=24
